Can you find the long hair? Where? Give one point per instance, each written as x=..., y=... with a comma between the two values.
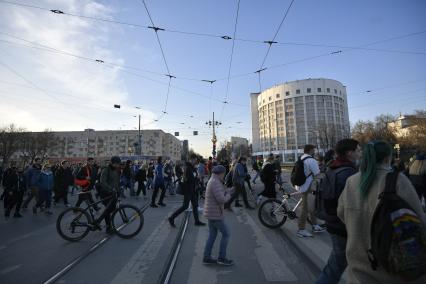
x=373, y=153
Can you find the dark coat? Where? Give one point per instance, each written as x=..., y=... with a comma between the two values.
x=189, y=179
x=268, y=176
x=110, y=179
x=63, y=178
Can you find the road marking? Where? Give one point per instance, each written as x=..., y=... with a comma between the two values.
x=272, y=266
x=137, y=268
x=10, y=269
x=200, y=273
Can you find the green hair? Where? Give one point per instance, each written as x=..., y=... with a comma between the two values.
x=372, y=154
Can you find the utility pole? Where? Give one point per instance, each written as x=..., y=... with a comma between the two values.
x=214, y=123
x=139, y=139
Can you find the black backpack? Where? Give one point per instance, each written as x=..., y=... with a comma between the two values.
x=298, y=173
x=398, y=236
x=327, y=191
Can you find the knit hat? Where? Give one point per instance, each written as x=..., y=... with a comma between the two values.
x=218, y=169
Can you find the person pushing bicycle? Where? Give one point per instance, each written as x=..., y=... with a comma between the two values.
x=109, y=188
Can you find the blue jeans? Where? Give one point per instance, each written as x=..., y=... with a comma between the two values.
x=214, y=226
x=336, y=263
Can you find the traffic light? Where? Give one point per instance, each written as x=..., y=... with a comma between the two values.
x=176, y=133
x=117, y=106
x=195, y=133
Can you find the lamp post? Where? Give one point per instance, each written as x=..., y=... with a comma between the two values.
x=214, y=123
x=139, y=149
x=398, y=150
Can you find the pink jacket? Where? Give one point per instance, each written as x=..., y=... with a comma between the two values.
x=216, y=197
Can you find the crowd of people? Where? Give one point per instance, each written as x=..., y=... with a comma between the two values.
x=339, y=192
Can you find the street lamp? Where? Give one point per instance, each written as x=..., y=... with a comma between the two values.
x=397, y=147
x=213, y=123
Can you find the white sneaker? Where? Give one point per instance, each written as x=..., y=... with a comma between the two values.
x=304, y=234
x=200, y=209
x=259, y=200
x=317, y=229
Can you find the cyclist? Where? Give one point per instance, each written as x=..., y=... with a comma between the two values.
x=109, y=188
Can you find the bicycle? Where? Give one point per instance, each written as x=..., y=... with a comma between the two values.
x=273, y=213
x=75, y=223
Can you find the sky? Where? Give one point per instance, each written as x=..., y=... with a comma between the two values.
x=49, y=77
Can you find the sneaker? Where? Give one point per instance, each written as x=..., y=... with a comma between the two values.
x=209, y=260
x=153, y=206
x=199, y=223
x=304, y=234
x=225, y=262
x=259, y=200
x=67, y=205
x=200, y=209
x=317, y=229
x=109, y=230
x=162, y=204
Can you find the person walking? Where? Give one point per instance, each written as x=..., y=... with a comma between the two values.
x=339, y=170
x=216, y=196
x=150, y=176
x=109, y=189
x=189, y=190
x=268, y=177
x=311, y=171
x=86, y=178
x=358, y=203
x=158, y=184
x=45, y=186
x=63, y=179
x=127, y=178
x=141, y=179
x=417, y=174
x=238, y=179
x=31, y=176
x=14, y=188
x=256, y=169
x=278, y=170
x=168, y=177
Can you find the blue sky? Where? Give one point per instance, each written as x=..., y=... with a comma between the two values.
x=44, y=89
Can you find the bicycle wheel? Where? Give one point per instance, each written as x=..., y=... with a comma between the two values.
x=252, y=198
x=73, y=224
x=127, y=221
x=272, y=213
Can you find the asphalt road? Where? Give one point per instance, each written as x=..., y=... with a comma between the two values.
x=31, y=251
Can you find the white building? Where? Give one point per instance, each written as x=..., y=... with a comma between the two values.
x=78, y=145
x=290, y=115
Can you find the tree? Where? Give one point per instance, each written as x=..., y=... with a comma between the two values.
x=365, y=131
x=327, y=136
x=39, y=144
x=416, y=138
x=10, y=141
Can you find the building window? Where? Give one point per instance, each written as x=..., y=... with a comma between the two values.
x=263, y=100
x=335, y=91
x=328, y=90
x=278, y=95
x=319, y=90
x=287, y=93
x=270, y=98
x=340, y=92
x=297, y=91
x=308, y=90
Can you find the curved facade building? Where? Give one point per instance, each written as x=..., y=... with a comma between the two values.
x=288, y=116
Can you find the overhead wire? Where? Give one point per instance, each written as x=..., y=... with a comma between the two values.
x=230, y=60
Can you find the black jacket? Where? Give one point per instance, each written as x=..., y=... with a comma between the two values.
x=336, y=226
x=63, y=178
x=189, y=179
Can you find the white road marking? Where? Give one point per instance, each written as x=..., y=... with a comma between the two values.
x=199, y=272
x=272, y=266
x=137, y=268
x=10, y=269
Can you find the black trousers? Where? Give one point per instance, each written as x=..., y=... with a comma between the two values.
x=141, y=187
x=193, y=198
x=13, y=199
x=61, y=193
x=110, y=205
x=239, y=189
x=155, y=193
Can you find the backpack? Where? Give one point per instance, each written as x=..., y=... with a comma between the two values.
x=298, y=176
x=398, y=236
x=326, y=191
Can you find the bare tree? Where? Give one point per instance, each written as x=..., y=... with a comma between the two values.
x=327, y=135
x=10, y=141
x=40, y=144
x=379, y=129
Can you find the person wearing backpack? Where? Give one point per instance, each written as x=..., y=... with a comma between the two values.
x=366, y=194
x=304, y=173
x=338, y=171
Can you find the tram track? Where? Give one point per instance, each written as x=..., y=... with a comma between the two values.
x=57, y=276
